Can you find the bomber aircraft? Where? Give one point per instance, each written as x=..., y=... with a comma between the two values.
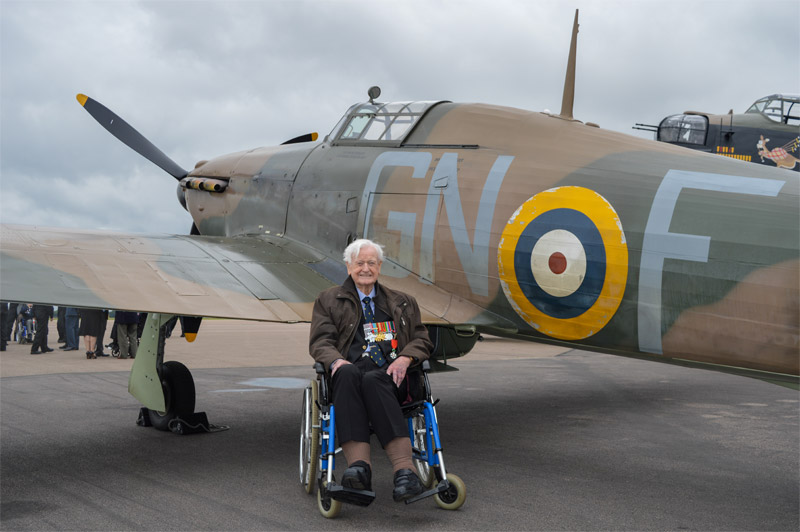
x=767, y=133
x=502, y=221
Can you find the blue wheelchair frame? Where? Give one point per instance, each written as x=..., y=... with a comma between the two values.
x=426, y=446
x=26, y=329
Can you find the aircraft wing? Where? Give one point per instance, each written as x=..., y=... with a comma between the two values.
x=245, y=277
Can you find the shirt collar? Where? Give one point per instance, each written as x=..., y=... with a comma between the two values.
x=362, y=295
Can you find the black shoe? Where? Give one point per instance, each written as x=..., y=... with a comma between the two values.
x=358, y=476
x=101, y=354
x=35, y=352
x=71, y=349
x=48, y=350
x=65, y=346
x=406, y=485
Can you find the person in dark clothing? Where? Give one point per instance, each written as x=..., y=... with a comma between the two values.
x=98, y=350
x=8, y=325
x=90, y=328
x=4, y=316
x=43, y=314
x=367, y=336
x=61, y=324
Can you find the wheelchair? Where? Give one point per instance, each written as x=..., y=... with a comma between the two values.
x=318, y=447
x=26, y=329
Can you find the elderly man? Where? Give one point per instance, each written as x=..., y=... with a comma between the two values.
x=367, y=336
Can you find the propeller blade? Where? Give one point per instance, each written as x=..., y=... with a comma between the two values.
x=130, y=137
x=190, y=325
x=308, y=137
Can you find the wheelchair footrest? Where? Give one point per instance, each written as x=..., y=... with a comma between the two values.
x=350, y=495
x=441, y=487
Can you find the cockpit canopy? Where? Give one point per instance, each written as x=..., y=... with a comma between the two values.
x=683, y=129
x=781, y=108
x=691, y=128
x=384, y=124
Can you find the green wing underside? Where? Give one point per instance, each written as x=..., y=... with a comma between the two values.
x=248, y=277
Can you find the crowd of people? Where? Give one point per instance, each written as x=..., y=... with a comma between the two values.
x=29, y=324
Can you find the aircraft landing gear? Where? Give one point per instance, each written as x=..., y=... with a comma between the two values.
x=179, y=394
x=165, y=388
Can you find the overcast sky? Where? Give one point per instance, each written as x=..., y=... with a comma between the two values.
x=201, y=79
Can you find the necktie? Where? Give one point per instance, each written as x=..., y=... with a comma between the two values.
x=373, y=350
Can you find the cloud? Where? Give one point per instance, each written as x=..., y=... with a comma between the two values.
x=202, y=79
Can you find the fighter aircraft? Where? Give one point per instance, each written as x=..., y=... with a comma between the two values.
x=767, y=133
x=498, y=220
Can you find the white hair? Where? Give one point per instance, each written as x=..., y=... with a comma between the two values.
x=355, y=247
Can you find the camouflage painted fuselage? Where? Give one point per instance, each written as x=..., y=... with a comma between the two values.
x=527, y=225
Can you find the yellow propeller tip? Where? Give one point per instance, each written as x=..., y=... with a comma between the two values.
x=314, y=137
x=190, y=336
x=82, y=99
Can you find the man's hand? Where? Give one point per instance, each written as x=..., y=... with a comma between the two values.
x=398, y=368
x=337, y=364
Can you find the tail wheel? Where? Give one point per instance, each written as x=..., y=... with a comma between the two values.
x=424, y=472
x=328, y=507
x=454, y=496
x=309, y=437
x=179, y=395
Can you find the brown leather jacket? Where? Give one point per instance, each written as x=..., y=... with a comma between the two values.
x=337, y=312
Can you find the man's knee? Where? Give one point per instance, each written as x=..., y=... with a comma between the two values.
x=347, y=375
x=376, y=381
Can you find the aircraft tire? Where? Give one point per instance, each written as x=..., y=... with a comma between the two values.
x=179, y=394
x=309, y=437
x=454, y=497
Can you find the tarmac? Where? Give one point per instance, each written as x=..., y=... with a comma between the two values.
x=545, y=438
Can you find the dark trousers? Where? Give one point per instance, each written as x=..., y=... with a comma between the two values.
x=61, y=324
x=364, y=395
x=4, y=317
x=40, y=339
x=8, y=324
x=98, y=348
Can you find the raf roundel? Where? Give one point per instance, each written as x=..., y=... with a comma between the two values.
x=563, y=262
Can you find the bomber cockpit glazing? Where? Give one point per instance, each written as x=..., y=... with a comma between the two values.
x=781, y=108
x=683, y=129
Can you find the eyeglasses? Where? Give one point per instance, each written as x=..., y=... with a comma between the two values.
x=370, y=263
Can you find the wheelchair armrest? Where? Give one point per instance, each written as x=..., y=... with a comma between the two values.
x=426, y=366
x=319, y=368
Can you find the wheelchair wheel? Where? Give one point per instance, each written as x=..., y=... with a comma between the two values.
x=454, y=497
x=424, y=472
x=328, y=507
x=309, y=437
